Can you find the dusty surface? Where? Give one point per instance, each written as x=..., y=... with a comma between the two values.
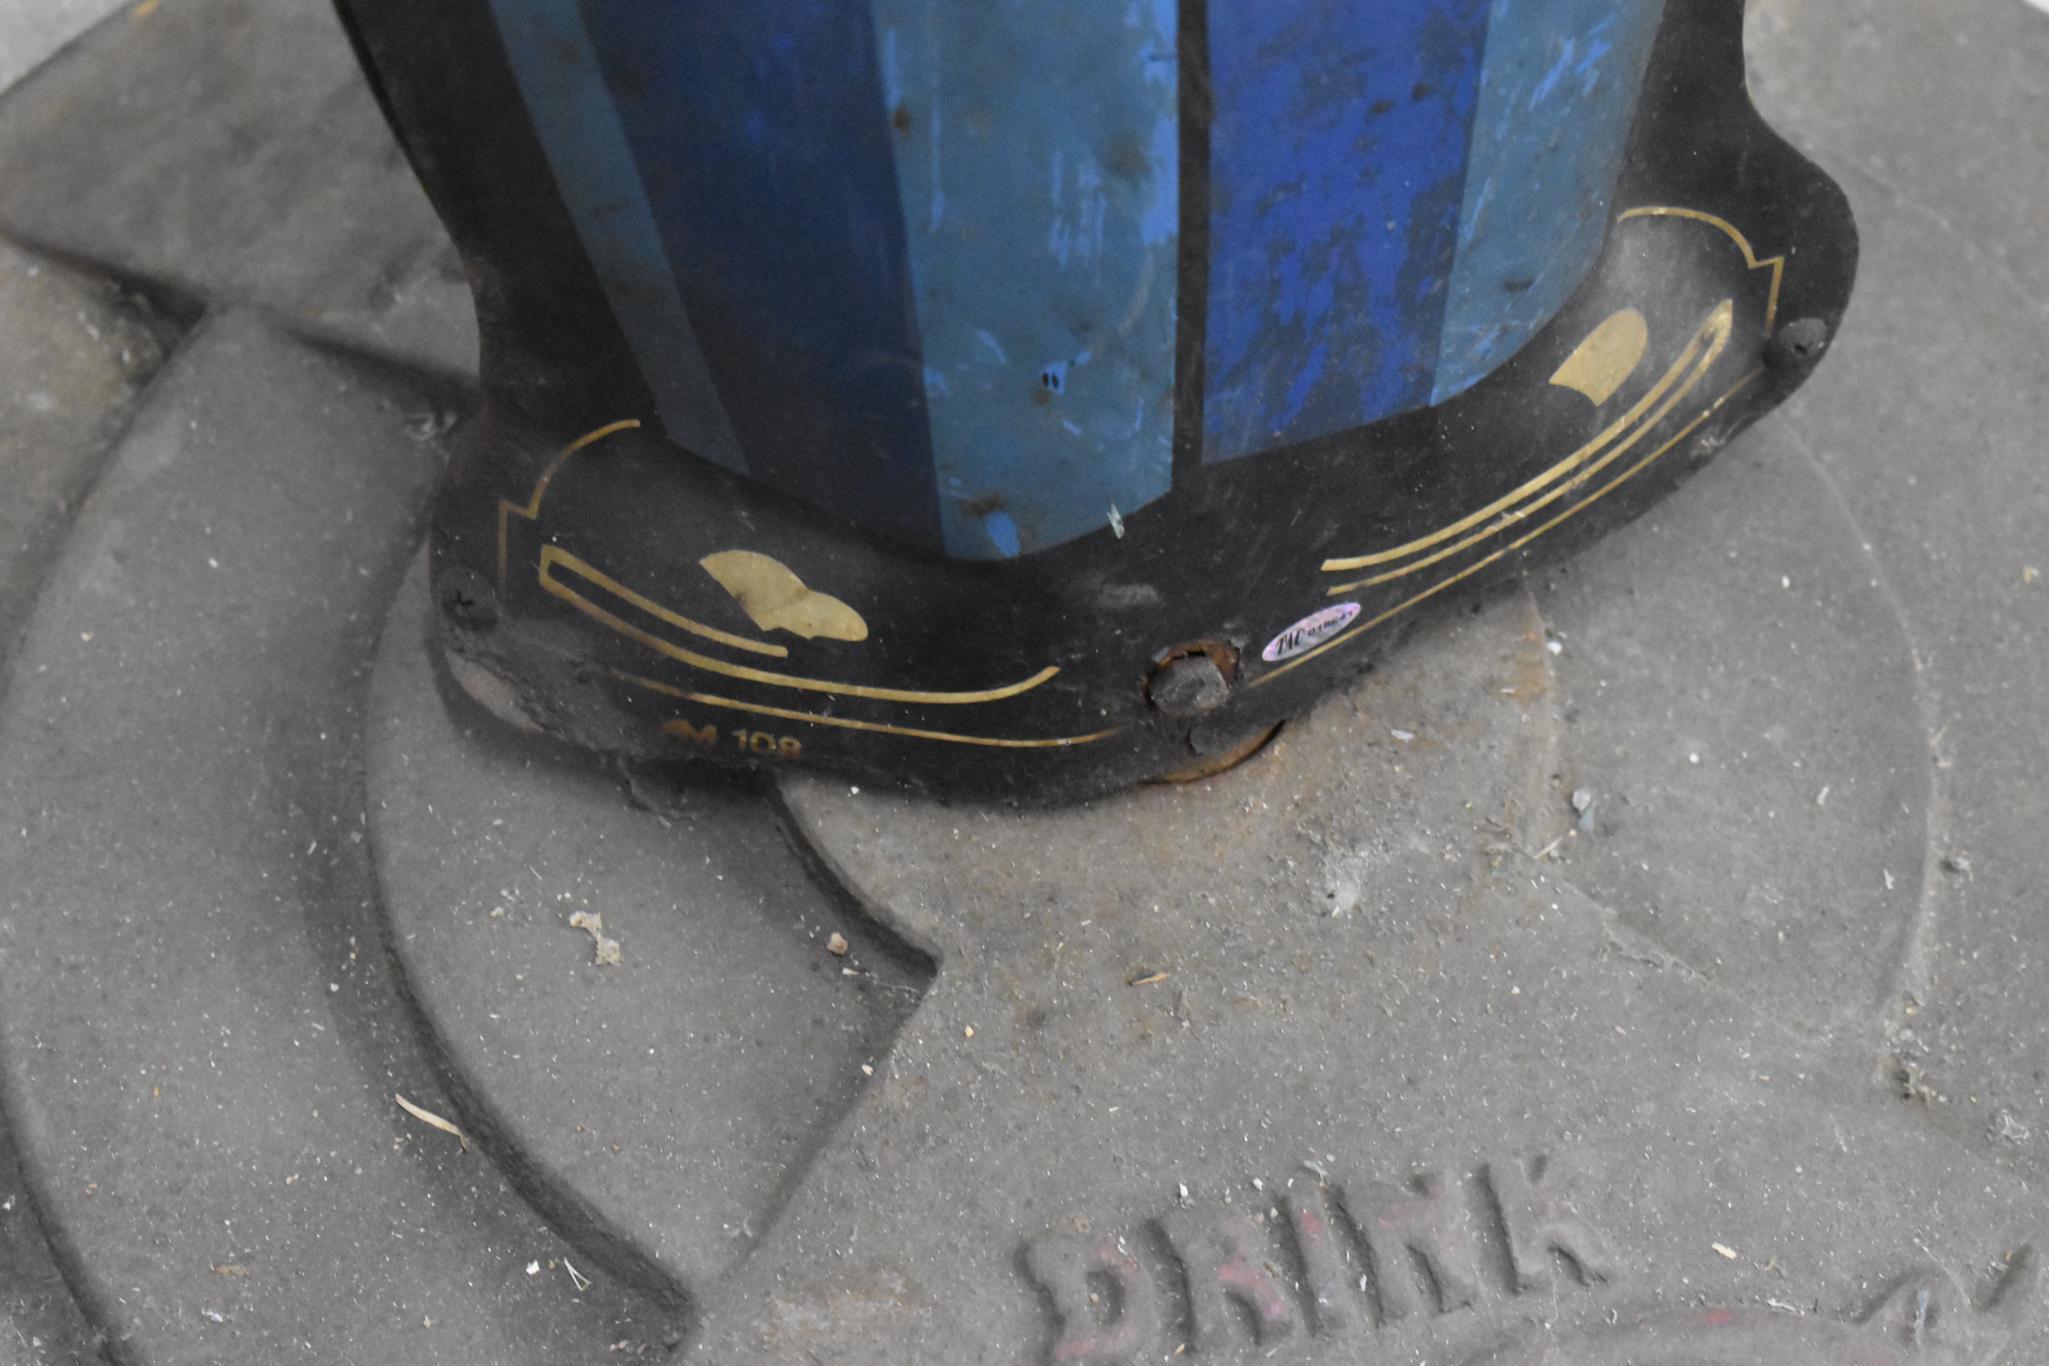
x=1676, y=920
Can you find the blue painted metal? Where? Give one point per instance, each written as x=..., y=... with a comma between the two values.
x=919, y=265
x=761, y=134
x=1037, y=157
x=1337, y=167
x=1557, y=95
x=587, y=150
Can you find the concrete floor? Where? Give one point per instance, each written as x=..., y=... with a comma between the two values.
x=1648, y=968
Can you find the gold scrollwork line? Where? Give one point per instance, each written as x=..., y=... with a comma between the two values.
x=508, y=509
x=1535, y=485
x=852, y=723
x=1702, y=351
x=1775, y=264
x=1517, y=544
x=554, y=555
x=1699, y=357
x=747, y=673
x=551, y=583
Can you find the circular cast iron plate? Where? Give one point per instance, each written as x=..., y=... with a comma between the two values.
x=1752, y=1196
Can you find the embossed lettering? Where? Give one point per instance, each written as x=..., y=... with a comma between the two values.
x=1425, y=1219
x=1363, y=1255
x=1225, y=1259
x=1537, y=1224
x=1323, y=1252
x=1095, y=1329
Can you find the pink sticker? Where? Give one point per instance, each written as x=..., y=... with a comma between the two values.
x=1310, y=632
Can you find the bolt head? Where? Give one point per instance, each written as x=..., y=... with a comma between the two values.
x=1188, y=685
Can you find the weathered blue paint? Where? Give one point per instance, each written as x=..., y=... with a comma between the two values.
x=1037, y=158
x=919, y=266
x=587, y=151
x=761, y=134
x=1337, y=165
x=1557, y=95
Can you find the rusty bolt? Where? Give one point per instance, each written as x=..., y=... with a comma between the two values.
x=1188, y=685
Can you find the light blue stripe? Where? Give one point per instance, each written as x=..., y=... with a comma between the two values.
x=1037, y=152
x=1557, y=94
x=559, y=77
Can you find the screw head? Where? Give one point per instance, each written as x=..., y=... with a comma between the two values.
x=467, y=598
x=1798, y=343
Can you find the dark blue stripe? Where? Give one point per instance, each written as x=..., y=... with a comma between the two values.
x=1337, y=168
x=1556, y=97
x=587, y=150
x=761, y=136
x=1037, y=149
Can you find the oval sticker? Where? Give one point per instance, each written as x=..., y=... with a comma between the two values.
x=1309, y=632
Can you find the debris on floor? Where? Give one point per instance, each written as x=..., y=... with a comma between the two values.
x=427, y=1117
x=1583, y=807
x=607, y=953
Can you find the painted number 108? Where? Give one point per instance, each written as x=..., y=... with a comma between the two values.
x=761, y=742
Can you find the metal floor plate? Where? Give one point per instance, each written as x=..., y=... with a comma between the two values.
x=1646, y=969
